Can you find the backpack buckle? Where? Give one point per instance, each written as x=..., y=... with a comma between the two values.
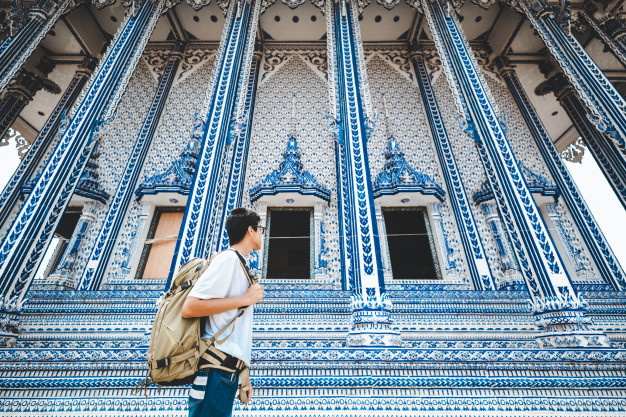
x=185, y=285
x=162, y=363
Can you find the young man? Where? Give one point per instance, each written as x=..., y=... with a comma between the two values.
x=217, y=295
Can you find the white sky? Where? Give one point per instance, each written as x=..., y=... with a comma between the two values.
x=601, y=199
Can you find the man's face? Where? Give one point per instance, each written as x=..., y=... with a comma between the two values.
x=257, y=237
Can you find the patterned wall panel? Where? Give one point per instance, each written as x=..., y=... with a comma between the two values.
x=272, y=122
x=527, y=153
x=171, y=137
x=472, y=173
x=390, y=75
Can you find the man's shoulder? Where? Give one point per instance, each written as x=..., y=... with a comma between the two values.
x=224, y=259
x=225, y=254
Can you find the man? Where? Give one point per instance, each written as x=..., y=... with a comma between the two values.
x=217, y=295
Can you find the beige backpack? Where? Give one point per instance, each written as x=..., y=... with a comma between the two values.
x=176, y=345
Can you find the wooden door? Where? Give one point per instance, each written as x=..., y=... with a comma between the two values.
x=163, y=245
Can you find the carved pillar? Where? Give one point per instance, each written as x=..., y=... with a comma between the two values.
x=382, y=230
x=30, y=233
x=511, y=278
x=474, y=251
x=321, y=272
x=577, y=258
x=612, y=31
x=18, y=95
x=130, y=257
x=15, y=49
x=602, y=101
x=105, y=242
x=36, y=151
x=610, y=158
x=362, y=265
x=62, y=276
x=443, y=243
x=601, y=252
x=231, y=73
x=559, y=310
x=241, y=139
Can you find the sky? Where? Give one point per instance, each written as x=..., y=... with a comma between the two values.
x=596, y=191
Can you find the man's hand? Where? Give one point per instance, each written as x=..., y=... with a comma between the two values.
x=254, y=294
x=249, y=391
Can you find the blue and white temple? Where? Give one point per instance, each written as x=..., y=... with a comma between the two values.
x=428, y=252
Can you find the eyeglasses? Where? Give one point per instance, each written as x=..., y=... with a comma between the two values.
x=263, y=228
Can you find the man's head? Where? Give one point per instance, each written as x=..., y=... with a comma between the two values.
x=244, y=224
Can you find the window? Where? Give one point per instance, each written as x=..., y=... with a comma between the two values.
x=62, y=237
x=411, y=248
x=158, y=250
x=288, y=245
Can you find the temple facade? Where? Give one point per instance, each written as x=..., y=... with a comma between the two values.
x=427, y=253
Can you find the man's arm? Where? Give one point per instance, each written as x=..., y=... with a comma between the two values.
x=197, y=307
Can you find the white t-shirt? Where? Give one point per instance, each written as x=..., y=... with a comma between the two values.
x=224, y=278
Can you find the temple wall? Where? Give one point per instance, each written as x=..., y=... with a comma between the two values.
x=351, y=340
x=302, y=73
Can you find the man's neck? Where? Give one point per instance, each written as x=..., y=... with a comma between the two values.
x=243, y=248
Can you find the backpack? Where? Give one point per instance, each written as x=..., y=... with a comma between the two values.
x=176, y=345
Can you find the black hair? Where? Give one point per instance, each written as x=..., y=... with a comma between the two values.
x=238, y=222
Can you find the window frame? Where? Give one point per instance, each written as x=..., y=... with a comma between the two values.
x=438, y=278
x=145, y=252
x=266, y=245
x=63, y=244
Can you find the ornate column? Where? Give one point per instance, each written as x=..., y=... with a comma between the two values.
x=610, y=158
x=321, y=251
x=45, y=137
x=230, y=75
x=351, y=110
x=443, y=243
x=595, y=241
x=62, y=276
x=30, y=233
x=129, y=258
x=511, y=278
x=559, y=310
x=105, y=242
x=574, y=253
x=240, y=136
x=19, y=93
x=612, y=30
x=15, y=49
x=602, y=101
x=474, y=251
x=382, y=230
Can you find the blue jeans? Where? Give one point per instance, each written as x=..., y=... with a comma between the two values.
x=212, y=394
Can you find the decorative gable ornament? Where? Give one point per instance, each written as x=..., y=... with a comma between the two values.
x=290, y=177
x=537, y=184
x=397, y=176
x=178, y=177
x=88, y=185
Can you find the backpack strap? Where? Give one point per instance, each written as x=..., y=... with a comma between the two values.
x=251, y=280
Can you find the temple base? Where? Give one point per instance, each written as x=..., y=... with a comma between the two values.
x=371, y=324
x=569, y=329
x=9, y=322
